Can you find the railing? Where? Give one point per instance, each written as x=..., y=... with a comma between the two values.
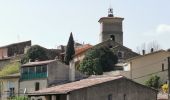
x=33, y=76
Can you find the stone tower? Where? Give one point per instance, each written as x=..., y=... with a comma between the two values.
x=111, y=28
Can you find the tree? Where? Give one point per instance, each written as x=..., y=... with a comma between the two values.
x=147, y=47
x=153, y=82
x=69, y=50
x=36, y=52
x=97, y=61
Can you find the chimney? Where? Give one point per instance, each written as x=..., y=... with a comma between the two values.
x=143, y=52
x=152, y=50
x=72, y=71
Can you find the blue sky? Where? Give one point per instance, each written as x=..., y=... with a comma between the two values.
x=49, y=22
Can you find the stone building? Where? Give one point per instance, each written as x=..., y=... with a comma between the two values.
x=142, y=68
x=44, y=74
x=14, y=49
x=98, y=88
x=9, y=86
x=111, y=27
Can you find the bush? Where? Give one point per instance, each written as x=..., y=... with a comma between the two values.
x=165, y=88
x=36, y=52
x=20, y=98
x=97, y=61
x=153, y=82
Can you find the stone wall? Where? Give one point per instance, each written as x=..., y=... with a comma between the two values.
x=121, y=89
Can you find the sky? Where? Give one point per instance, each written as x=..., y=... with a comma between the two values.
x=50, y=22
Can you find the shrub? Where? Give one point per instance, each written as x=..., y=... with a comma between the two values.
x=165, y=88
x=153, y=82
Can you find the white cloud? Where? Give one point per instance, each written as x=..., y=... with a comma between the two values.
x=163, y=28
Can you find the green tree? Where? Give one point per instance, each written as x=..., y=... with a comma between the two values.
x=69, y=50
x=153, y=82
x=36, y=52
x=97, y=61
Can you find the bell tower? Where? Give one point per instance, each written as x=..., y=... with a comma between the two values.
x=111, y=28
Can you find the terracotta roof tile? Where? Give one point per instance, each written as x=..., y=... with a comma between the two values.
x=82, y=49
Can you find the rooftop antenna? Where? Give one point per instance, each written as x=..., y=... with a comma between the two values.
x=110, y=10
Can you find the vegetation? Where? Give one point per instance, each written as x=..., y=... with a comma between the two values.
x=11, y=68
x=97, y=61
x=20, y=98
x=165, y=88
x=36, y=52
x=69, y=50
x=153, y=82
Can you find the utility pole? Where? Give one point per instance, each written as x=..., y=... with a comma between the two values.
x=168, y=78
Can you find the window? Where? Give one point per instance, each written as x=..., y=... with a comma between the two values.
x=25, y=70
x=120, y=54
x=163, y=67
x=11, y=92
x=31, y=70
x=124, y=97
x=112, y=37
x=37, y=86
x=38, y=69
x=110, y=97
x=44, y=68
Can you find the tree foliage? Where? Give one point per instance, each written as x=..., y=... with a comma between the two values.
x=97, y=61
x=69, y=50
x=148, y=46
x=36, y=52
x=153, y=82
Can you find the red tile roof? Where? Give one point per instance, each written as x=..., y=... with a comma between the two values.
x=65, y=88
x=82, y=49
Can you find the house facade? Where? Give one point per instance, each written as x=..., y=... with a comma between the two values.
x=141, y=68
x=111, y=88
x=14, y=49
x=9, y=86
x=42, y=74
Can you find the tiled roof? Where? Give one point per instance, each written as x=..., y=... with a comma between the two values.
x=14, y=44
x=38, y=63
x=16, y=75
x=140, y=56
x=82, y=49
x=65, y=88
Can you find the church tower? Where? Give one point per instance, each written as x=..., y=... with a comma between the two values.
x=111, y=28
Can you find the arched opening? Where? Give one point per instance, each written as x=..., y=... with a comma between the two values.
x=112, y=37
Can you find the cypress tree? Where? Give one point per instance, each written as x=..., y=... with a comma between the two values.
x=69, y=53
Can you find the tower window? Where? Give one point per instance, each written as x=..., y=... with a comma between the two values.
x=163, y=67
x=112, y=37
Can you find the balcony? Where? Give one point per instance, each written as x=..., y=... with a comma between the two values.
x=33, y=76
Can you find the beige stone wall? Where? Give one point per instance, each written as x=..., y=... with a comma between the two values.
x=30, y=85
x=111, y=26
x=57, y=72
x=143, y=68
x=5, y=87
x=122, y=89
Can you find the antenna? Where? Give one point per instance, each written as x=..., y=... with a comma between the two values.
x=110, y=10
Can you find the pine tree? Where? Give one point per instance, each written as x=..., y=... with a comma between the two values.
x=69, y=50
